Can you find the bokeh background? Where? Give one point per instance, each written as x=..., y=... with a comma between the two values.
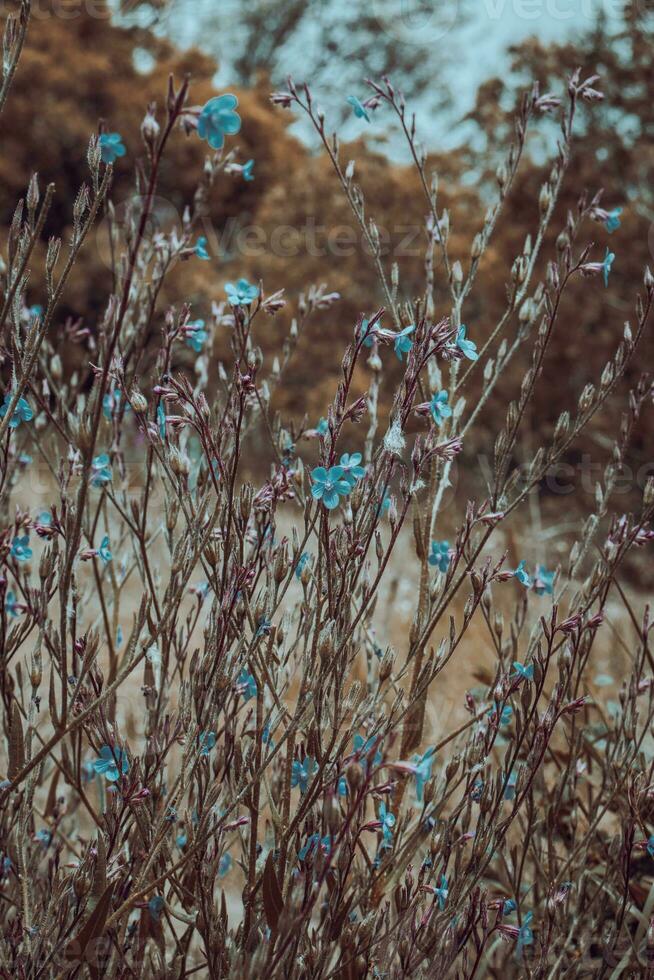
x=461, y=65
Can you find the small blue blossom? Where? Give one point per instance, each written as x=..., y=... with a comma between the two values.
x=613, y=220
x=206, y=741
x=522, y=575
x=442, y=892
x=20, y=549
x=156, y=906
x=101, y=470
x=111, y=404
x=218, y=119
x=247, y=685
x=342, y=786
x=477, y=790
x=467, y=347
x=24, y=459
x=423, y=764
x=527, y=673
x=201, y=250
x=11, y=605
x=508, y=906
x=313, y=843
x=364, y=747
x=439, y=408
x=368, y=335
x=246, y=171
x=119, y=636
x=224, y=864
x=301, y=562
x=104, y=551
x=329, y=485
x=111, y=147
x=440, y=555
x=650, y=847
x=242, y=293
x=266, y=736
x=350, y=463
x=387, y=821
x=606, y=265
x=543, y=581
x=358, y=108
x=43, y=836
x=402, y=344
x=507, y=715
x=301, y=772
x=161, y=421
x=21, y=413
x=525, y=934
x=181, y=840
x=112, y=763
x=323, y=427
x=509, y=786
x=384, y=504
x=171, y=814
x=197, y=335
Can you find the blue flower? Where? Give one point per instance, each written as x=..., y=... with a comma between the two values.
x=206, y=741
x=246, y=172
x=197, y=336
x=384, y=504
x=218, y=119
x=387, y=821
x=509, y=786
x=364, y=746
x=181, y=840
x=313, y=843
x=247, y=685
x=342, y=786
x=21, y=413
x=224, y=864
x=422, y=774
x=301, y=772
x=522, y=576
x=350, y=463
x=527, y=673
x=368, y=335
x=104, y=551
x=508, y=906
x=112, y=763
x=402, y=344
x=200, y=249
x=11, y=606
x=439, y=408
x=111, y=404
x=606, y=265
x=477, y=790
x=241, y=294
x=101, y=470
x=20, y=549
x=161, y=421
x=329, y=485
x=543, y=581
x=323, y=427
x=507, y=715
x=119, y=636
x=156, y=907
x=525, y=935
x=111, y=147
x=358, y=108
x=442, y=892
x=650, y=847
x=301, y=562
x=613, y=220
x=440, y=555
x=467, y=347
x=43, y=836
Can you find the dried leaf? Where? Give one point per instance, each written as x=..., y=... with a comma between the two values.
x=273, y=900
x=93, y=928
